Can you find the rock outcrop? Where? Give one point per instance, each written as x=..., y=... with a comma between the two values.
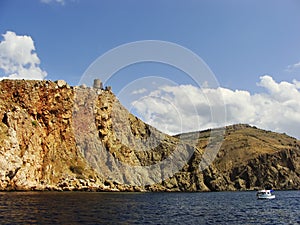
x=57, y=137
x=250, y=158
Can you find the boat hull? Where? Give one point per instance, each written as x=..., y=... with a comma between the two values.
x=266, y=197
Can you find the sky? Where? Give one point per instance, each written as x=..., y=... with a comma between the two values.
x=181, y=65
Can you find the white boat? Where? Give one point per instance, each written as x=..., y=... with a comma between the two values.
x=265, y=194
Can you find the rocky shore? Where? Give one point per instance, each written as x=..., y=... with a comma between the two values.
x=61, y=138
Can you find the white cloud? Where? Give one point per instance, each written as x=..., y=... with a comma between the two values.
x=175, y=109
x=296, y=83
x=282, y=91
x=292, y=67
x=18, y=59
x=139, y=91
x=62, y=2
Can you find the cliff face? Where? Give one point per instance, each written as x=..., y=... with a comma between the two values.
x=38, y=148
x=57, y=137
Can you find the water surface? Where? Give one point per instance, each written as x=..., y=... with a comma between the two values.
x=148, y=208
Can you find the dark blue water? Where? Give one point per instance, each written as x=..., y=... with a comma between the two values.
x=148, y=208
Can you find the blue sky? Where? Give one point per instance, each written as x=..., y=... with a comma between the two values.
x=240, y=41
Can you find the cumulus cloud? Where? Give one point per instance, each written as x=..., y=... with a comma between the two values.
x=296, y=83
x=18, y=59
x=176, y=109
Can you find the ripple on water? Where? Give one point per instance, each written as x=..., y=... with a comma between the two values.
x=148, y=208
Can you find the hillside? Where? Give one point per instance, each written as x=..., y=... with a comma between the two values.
x=57, y=137
x=251, y=158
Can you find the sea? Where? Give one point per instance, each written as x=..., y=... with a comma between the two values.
x=148, y=208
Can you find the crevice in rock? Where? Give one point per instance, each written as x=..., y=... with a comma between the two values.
x=11, y=174
x=5, y=119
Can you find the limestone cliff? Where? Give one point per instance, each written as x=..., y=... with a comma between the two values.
x=38, y=149
x=57, y=137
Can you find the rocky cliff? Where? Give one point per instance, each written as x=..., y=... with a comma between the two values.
x=57, y=137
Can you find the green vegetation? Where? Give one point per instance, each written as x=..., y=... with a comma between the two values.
x=76, y=169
